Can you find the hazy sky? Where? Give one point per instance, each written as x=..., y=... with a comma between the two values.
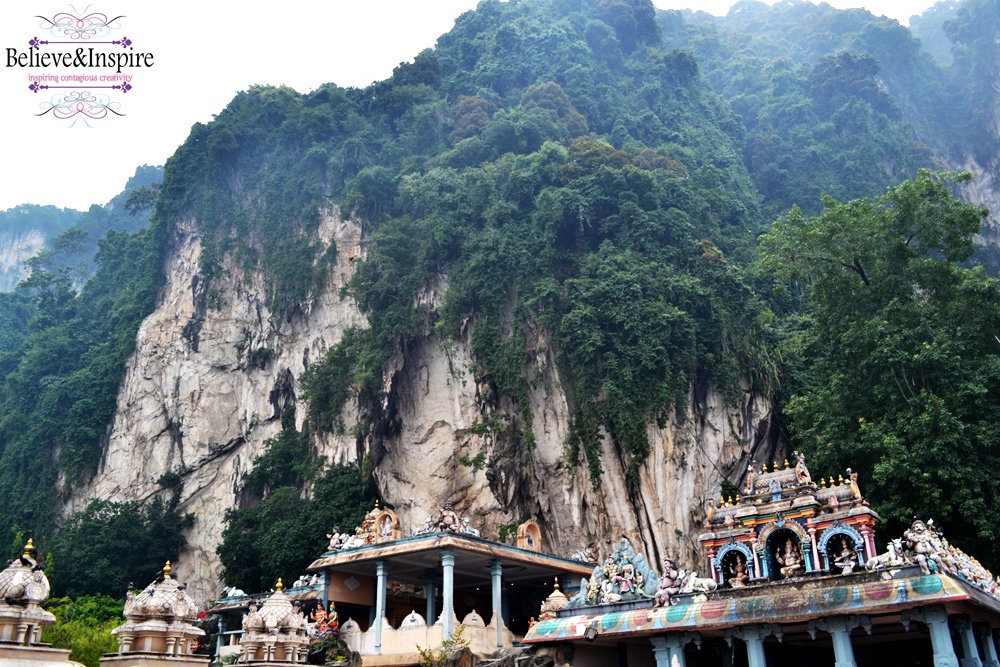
x=204, y=52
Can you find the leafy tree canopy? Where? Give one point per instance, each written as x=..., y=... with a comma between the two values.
x=895, y=368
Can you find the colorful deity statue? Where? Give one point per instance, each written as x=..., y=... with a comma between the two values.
x=790, y=559
x=738, y=576
x=668, y=584
x=319, y=617
x=847, y=559
x=333, y=619
x=801, y=471
x=926, y=547
x=751, y=477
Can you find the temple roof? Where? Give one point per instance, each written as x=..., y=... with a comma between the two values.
x=411, y=557
x=797, y=601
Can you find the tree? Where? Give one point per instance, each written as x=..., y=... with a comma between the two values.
x=896, y=367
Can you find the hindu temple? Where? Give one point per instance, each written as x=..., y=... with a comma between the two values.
x=158, y=628
x=792, y=576
x=794, y=579
x=23, y=589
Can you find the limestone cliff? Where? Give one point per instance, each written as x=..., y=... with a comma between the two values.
x=206, y=386
x=15, y=249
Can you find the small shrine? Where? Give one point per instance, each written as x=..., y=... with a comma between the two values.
x=23, y=589
x=276, y=633
x=785, y=525
x=158, y=628
x=529, y=536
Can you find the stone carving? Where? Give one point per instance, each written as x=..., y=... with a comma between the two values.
x=690, y=582
x=587, y=554
x=790, y=559
x=23, y=589
x=275, y=632
x=468, y=529
x=623, y=576
x=159, y=619
x=428, y=527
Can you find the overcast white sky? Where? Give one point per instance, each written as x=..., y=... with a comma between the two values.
x=204, y=52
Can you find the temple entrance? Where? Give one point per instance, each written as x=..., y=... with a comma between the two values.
x=784, y=552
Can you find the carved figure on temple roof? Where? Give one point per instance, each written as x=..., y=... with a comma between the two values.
x=892, y=557
x=790, y=559
x=751, y=476
x=855, y=489
x=668, y=584
x=428, y=527
x=690, y=582
x=467, y=528
x=926, y=546
x=847, y=559
x=448, y=519
x=334, y=538
x=738, y=576
x=585, y=555
x=385, y=530
x=801, y=471
x=730, y=521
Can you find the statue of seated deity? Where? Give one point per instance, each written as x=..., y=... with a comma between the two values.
x=790, y=559
x=738, y=576
x=448, y=519
x=847, y=559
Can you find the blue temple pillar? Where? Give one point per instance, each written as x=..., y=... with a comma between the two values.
x=431, y=596
x=966, y=634
x=754, y=636
x=807, y=555
x=497, y=572
x=985, y=634
x=936, y=619
x=840, y=628
x=382, y=573
x=447, y=593
x=671, y=646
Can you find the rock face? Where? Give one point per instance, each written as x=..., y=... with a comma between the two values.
x=209, y=379
x=15, y=250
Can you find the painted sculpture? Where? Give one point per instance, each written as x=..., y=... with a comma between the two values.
x=622, y=577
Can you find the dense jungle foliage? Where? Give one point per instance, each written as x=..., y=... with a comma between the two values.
x=594, y=175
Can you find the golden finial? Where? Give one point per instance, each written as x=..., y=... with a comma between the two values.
x=822, y=482
x=832, y=483
x=729, y=501
x=28, y=548
x=841, y=480
x=555, y=586
x=775, y=467
x=737, y=499
x=722, y=501
x=166, y=570
x=376, y=503
x=786, y=464
x=763, y=469
x=279, y=586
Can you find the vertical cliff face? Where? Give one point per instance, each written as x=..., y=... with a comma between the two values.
x=15, y=249
x=207, y=384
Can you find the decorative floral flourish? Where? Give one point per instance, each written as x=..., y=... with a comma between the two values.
x=80, y=103
x=79, y=28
